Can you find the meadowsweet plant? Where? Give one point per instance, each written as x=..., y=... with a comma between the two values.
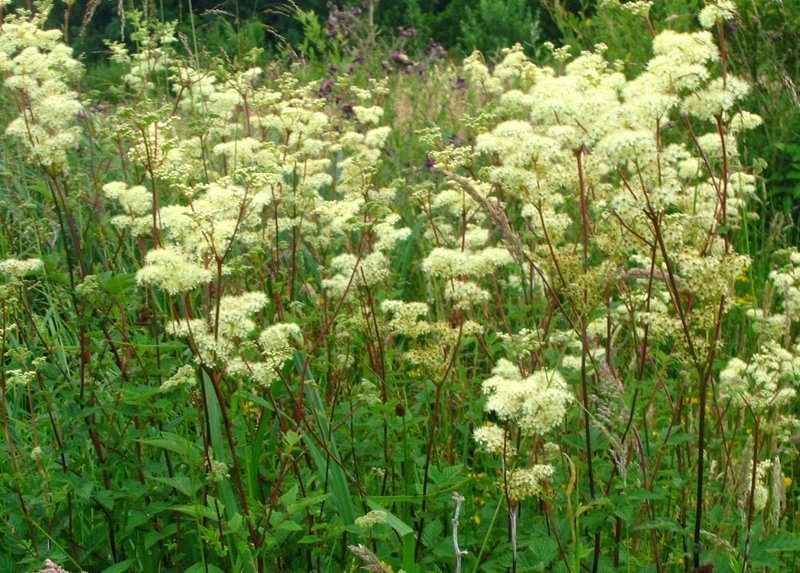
x=240, y=175
x=619, y=198
x=39, y=68
x=253, y=319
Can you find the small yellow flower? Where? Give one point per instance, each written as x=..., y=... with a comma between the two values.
x=788, y=481
x=477, y=520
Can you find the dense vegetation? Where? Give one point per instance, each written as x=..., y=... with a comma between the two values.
x=319, y=288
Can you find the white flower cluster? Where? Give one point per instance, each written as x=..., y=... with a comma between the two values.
x=406, y=317
x=218, y=471
x=236, y=311
x=453, y=263
x=153, y=39
x=370, y=271
x=276, y=343
x=765, y=383
x=368, y=115
x=716, y=10
x=172, y=270
x=246, y=168
x=371, y=519
x=537, y=402
x=787, y=282
x=432, y=340
x=761, y=491
x=524, y=483
x=19, y=268
x=493, y=440
x=717, y=98
x=137, y=203
x=184, y=377
x=232, y=346
x=638, y=7
x=39, y=68
x=21, y=378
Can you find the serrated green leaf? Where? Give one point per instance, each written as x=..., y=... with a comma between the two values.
x=432, y=534
x=778, y=543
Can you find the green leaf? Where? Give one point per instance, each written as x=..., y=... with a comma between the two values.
x=181, y=483
x=662, y=525
x=84, y=489
x=201, y=567
x=544, y=549
x=639, y=493
x=409, y=549
x=171, y=442
x=290, y=526
x=116, y=283
x=236, y=523
x=106, y=498
x=153, y=537
x=447, y=475
x=305, y=502
x=431, y=536
x=197, y=511
x=779, y=543
x=119, y=567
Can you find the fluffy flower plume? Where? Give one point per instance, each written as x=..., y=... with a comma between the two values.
x=716, y=10
x=19, y=268
x=171, y=269
x=528, y=482
x=39, y=68
x=537, y=402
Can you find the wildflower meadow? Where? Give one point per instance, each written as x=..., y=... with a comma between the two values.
x=308, y=290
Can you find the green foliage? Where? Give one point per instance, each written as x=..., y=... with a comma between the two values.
x=764, y=49
x=584, y=24
x=493, y=25
x=235, y=39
